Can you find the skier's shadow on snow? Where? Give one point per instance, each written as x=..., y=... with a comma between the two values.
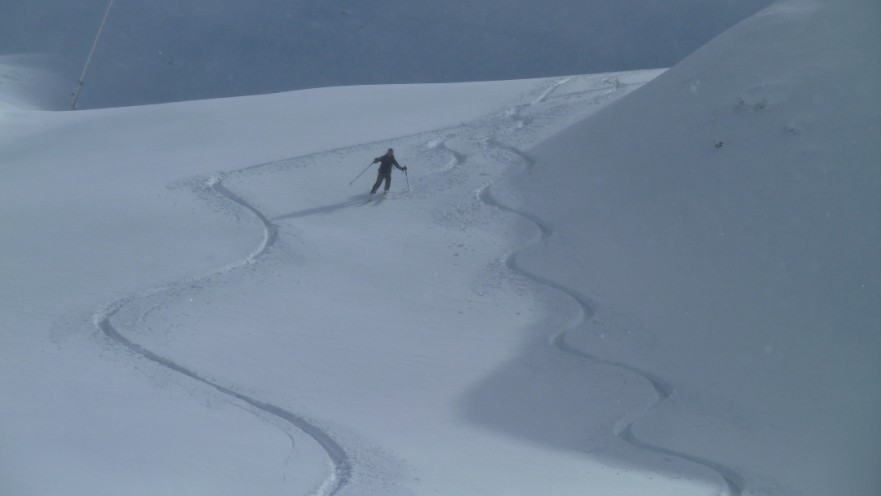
x=354, y=201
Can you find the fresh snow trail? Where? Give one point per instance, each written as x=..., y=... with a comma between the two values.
x=339, y=459
x=550, y=90
x=662, y=391
x=731, y=481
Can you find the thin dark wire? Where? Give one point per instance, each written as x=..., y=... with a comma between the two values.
x=79, y=87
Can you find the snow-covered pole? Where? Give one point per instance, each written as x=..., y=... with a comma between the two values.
x=359, y=175
x=82, y=80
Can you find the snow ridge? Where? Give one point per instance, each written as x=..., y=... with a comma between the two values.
x=340, y=461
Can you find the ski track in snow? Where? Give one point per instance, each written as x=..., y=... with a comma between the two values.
x=339, y=459
x=662, y=391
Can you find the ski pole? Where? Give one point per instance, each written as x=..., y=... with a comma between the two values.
x=359, y=175
x=408, y=180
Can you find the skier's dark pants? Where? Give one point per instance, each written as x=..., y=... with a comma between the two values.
x=379, y=178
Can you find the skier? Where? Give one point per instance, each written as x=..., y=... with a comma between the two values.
x=385, y=170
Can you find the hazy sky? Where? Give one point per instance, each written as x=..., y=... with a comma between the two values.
x=167, y=50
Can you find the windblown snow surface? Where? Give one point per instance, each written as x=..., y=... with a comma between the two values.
x=641, y=283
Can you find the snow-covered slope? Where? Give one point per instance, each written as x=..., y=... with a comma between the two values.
x=674, y=296
x=196, y=301
x=723, y=225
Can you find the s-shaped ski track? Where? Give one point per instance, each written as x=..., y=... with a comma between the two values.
x=662, y=391
x=103, y=319
x=731, y=481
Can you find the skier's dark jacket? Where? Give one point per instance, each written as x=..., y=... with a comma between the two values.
x=385, y=163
